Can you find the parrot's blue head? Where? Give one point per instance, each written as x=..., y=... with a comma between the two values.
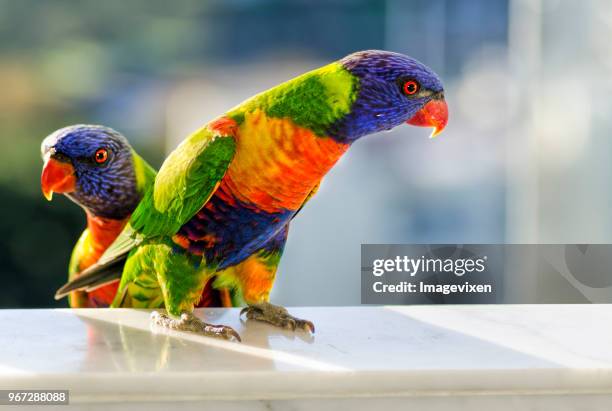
x=94, y=167
x=392, y=89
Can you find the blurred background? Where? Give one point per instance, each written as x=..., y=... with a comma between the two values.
x=525, y=157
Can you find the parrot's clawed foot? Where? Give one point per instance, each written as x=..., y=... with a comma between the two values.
x=191, y=323
x=276, y=315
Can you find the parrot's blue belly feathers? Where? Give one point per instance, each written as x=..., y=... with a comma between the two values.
x=227, y=231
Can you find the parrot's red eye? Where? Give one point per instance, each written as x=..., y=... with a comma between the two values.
x=411, y=87
x=101, y=156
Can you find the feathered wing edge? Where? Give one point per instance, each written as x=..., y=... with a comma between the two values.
x=108, y=268
x=94, y=277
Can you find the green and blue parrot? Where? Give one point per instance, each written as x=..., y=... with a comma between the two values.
x=221, y=205
x=95, y=167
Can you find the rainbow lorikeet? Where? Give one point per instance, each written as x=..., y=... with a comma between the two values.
x=222, y=202
x=95, y=167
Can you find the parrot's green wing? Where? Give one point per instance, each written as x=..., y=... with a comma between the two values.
x=77, y=299
x=75, y=257
x=185, y=182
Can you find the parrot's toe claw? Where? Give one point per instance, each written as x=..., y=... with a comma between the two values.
x=191, y=323
x=307, y=326
x=278, y=316
x=222, y=331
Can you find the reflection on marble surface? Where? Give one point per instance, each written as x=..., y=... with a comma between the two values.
x=357, y=351
x=139, y=343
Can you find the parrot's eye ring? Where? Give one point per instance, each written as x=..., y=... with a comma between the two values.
x=101, y=156
x=410, y=87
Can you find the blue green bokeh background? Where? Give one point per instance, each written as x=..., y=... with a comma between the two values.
x=525, y=158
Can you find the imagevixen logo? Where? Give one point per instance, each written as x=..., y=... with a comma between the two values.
x=413, y=266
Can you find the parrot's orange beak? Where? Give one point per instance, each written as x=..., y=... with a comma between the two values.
x=433, y=114
x=57, y=177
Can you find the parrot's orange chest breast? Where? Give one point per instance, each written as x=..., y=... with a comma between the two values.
x=100, y=235
x=278, y=163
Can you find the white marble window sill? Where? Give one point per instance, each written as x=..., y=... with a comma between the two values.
x=420, y=357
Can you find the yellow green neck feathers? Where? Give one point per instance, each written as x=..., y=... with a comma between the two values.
x=315, y=100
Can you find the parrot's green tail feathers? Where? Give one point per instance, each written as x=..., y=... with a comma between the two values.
x=95, y=276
